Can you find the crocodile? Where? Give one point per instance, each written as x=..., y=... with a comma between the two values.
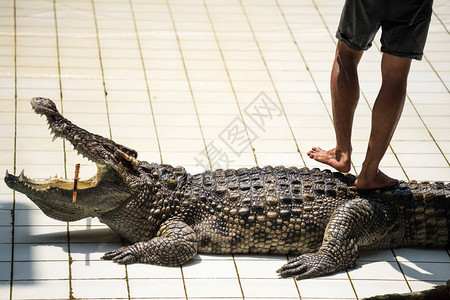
x=169, y=215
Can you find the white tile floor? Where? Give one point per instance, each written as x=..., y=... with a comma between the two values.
x=181, y=82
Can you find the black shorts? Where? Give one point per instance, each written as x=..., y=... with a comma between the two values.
x=404, y=25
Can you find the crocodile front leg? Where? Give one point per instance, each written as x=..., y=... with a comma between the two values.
x=175, y=244
x=358, y=222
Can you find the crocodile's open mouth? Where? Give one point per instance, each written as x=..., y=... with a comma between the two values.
x=57, y=182
x=106, y=154
x=99, y=193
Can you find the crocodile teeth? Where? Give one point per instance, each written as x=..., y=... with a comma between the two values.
x=134, y=162
x=21, y=176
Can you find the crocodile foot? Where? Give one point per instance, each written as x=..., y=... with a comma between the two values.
x=307, y=266
x=125, y=255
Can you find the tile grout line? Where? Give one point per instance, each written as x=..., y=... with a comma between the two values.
x=59, y=81
x=436, y=72
x=146, y=79
x=242, y=118
x=351, y=283
x=295, y=281
x=13, y=211
x=276, y=91
x=184, y=284
x=188, y=81
x=440, y=21
x=428, y=130
x=211, y=23
x=195, y=108
x=94, y=14
x=401, y=270
x=272, y=81
x=238, y=277
x=304, y=59
x=440, y=78
x=70, y=260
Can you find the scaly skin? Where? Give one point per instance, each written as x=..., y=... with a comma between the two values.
x=169, y=215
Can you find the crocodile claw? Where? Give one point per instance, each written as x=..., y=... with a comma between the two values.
x=123, y=256
x=308, y=266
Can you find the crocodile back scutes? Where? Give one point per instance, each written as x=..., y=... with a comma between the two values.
x=427, y=213
x=273, y=194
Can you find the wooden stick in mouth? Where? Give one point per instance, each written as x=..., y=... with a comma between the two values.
x=75, y=183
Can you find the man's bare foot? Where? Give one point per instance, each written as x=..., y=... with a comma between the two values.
x=336, y=159
x=377, y=181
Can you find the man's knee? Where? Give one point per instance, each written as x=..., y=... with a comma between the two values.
x=394, y=68
x=347, y=53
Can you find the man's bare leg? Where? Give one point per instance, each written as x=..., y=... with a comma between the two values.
x=344, y=98
x=386, y=113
